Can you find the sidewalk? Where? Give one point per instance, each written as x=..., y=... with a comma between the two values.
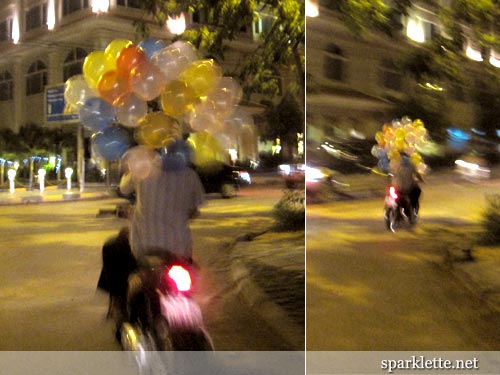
x=270, y=268
x=53, y=194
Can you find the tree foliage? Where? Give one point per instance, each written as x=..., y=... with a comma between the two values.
x=440, y=60
x=33, y=139
x=280, y=47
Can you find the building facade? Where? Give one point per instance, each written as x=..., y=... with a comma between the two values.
x=45, y=42
x=355, y=83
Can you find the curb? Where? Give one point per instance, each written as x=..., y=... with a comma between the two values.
x=39, y=199
x=258, y=301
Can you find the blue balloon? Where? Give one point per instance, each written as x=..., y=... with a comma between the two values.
x=111, y=143
x=151, y=45
x=96, y=114
x=179, y=155
x=384, y=165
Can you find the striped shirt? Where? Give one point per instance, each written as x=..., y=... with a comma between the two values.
x=165, y=203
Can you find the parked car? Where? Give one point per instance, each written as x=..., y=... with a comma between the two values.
x=219, y=177
x=472, y=167
x=293, y=175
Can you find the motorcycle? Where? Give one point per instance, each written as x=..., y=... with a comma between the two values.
x=398, y=209
x=162, y=314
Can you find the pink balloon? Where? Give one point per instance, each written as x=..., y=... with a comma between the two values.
x=205, y=121
x=225, y=96
x=140, y=161
x=130, y=109
x=147, y=81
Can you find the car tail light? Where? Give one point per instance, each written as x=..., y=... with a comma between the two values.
x=392, y=192
x=181, y=278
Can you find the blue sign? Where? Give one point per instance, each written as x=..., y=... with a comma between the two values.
x=56, y=109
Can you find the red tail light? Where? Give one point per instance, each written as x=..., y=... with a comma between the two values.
x=393, y=193
x=181, y=277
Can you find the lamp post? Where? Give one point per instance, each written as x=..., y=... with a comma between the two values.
x=67, y=173
x=41, y=179
x=11, y=174
x=176, y=24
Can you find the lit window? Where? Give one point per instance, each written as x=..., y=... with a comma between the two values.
x=6, y=86
x=36, y=16
x=73, y=63
x=36, y=79
x=71, y=6
x=418, y=28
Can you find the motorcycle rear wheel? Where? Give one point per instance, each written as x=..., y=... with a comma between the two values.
x=391, y=219
x=191, y=341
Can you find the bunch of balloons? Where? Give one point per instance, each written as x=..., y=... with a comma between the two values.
x=401, y=136
x=113, y=92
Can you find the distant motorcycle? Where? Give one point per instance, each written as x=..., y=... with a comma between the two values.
x=162, y=314
x=398, y=209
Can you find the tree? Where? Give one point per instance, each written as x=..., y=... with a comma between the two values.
x=280, y=49
x=441, y=60
x=283, y=121
x=33, y=141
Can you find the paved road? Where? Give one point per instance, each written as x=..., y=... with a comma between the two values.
x=51, y=261
x=368, y=289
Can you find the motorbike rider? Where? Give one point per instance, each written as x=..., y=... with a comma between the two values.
x=406, y=179
x=166, y=200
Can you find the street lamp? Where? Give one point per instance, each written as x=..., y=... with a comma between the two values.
x=11, y=174
x=41, y=179
x=100, y=6
x=177, y=24
x=312, y=9
x=67, y=173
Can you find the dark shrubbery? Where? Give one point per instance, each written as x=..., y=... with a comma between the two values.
x=491, y=221
x=289, y=212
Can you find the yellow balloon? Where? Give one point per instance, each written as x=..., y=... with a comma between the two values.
x=206, y=148
x=394, y=155
x=415, y=158
x=94, y=66
x=114, y=48
x=380, y=138
x=400, y=144
x=157, y=130
x=400, y=133
x=177, y=98
x=418, y=123
x=201, y=76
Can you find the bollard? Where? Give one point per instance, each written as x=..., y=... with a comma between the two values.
x=41, y=179
x=67, y=173
x=11, y=174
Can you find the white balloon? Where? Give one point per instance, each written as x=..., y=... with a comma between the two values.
x=173, y=59
x=77, y=90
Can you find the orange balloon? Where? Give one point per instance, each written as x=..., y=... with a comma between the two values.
x=129, y=58
x=114, y=48
x=112, y=86
x=157, y=130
